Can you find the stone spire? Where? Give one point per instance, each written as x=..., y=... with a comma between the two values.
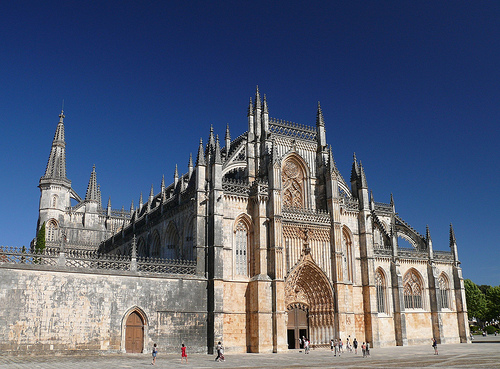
x=200, y=159
x=265, y=109
x=56, y=165
x=190, y=165
x=131, y=207
x=355, y=168
x=453, y=245
x=176, y=176
x=372, y=201
x=320, y=121
x=363, y=181
x=257, y=99
x=92, y=194
x=250, y=108
x=108, y=209
x=320, y=129
x=99, y=199
x=211, y=142
x=227, y=138
x=218, y=158
x=392, y=204
x=141, y=202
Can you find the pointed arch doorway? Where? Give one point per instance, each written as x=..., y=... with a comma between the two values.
x=134, y=333
x=309, y=300
x=298, y=325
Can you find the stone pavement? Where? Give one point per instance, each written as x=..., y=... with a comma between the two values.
x=483, y=353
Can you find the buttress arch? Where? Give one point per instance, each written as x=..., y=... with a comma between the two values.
x=308, y=286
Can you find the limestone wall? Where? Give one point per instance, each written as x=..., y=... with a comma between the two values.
x=58, y=309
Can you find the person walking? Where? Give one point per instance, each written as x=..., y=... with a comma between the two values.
x=183, y=353
x=306, y=346
x=218, y=348
x=355, y=345
x=331, y=344
x=363, y=349
x=367, y=348
x=155, y=351
x=435, y=346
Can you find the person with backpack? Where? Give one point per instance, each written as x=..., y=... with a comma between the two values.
x=155, y=351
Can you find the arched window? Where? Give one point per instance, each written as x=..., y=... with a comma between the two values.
x=380, y=287
x=51, y=230
x=293, y=184
x=413, y=291
x=443, y=292
x=346, y=239
x=172, y=242
x=142, y=249
x=155, y=245
x=241, y=248
x=189, y=249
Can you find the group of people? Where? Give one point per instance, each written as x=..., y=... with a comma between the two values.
x=337, y=346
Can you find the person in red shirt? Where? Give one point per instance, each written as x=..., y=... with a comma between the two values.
x=184, y=355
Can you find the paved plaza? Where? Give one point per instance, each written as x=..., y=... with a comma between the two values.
x=483, y=353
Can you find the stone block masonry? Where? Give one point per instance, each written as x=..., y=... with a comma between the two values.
x=58, y=309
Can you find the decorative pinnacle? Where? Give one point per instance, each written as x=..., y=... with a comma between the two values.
x=176, y=173
x=257, y=98
x=265, y=105
x=453, y=240
x=163, y=182
x=200, y=159
x=151, y=193
x=427, y=233
x=190, y=163
x=319, y=116
x=355, y=169
x=364, y=183
x=218, y=158
x=250, y=108
x=227, y=136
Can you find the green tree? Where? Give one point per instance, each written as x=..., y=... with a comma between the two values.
x=40, y=240
x=476, y=300
x=493, y=303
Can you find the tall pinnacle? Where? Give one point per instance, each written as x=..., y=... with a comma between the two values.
x=200, y=159
x=218, y=158
x=92, y=190
x=250, y=108
x=257, y=99
x=319, y=117
x=355, y=169
x=56, y=165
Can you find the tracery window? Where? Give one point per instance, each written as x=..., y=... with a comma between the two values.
x=412, y=290
x=172, y=242
x=443, y=291
x=51, y=229
x=293, y=184
x=155, y=245
x=380, y=287
x=241, y=247
x=346, y=239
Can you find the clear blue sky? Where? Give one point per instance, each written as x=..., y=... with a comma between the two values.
x=411, y=86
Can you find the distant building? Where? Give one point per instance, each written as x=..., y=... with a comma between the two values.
x=282, y=244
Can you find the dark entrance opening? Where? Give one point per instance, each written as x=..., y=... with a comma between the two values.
x=297, y=327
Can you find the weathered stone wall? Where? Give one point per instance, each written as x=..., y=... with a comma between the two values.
x=59, y=309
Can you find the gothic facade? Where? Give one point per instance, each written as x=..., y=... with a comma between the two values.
x=286, y=247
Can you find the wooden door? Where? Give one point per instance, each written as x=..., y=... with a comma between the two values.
x=134, y=334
